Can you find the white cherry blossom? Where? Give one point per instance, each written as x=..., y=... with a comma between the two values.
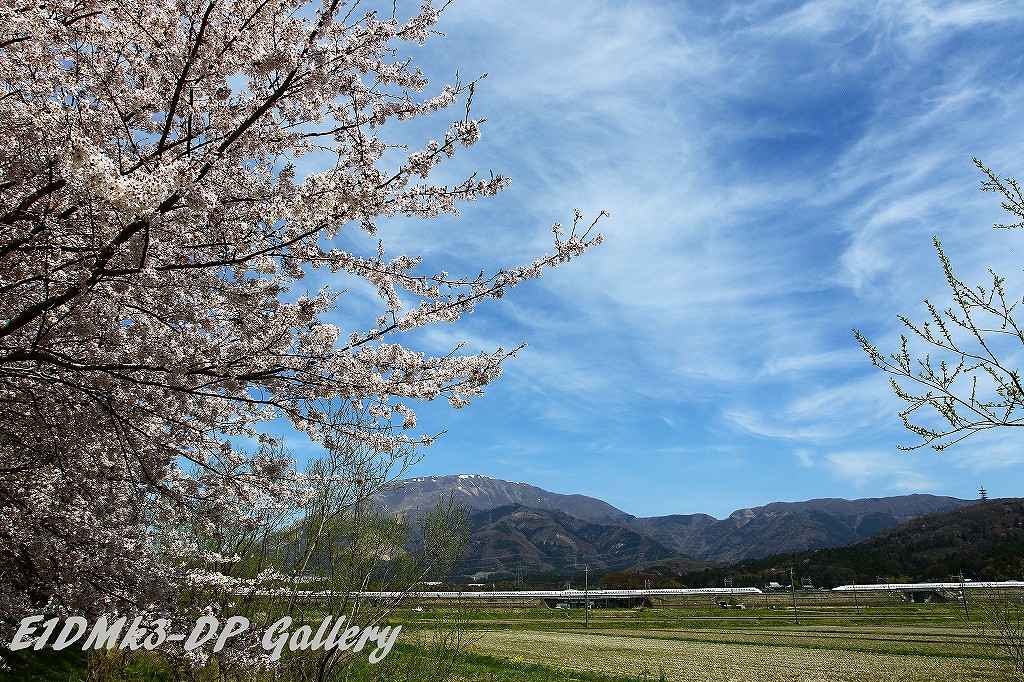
x=154, y=232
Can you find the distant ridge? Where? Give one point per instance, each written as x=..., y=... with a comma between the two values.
x=983, y=541
x=789, y=526
x=478, y=492
x=518, y=528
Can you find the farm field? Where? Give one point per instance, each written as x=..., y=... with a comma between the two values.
x=742, y=654
x=885, y=641
x=877, y=640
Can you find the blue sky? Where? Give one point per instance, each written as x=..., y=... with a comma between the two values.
x=775, y=172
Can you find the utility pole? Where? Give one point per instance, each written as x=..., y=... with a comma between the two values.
x=586, y=597
x=792, y=588
x=963, y=594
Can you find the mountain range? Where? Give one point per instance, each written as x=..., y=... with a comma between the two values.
x=789, y=526
x=983, y=541
x=520, y=529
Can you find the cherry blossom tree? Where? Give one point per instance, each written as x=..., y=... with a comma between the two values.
x=156, y=227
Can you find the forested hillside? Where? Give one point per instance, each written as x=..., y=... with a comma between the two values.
x=984, y=540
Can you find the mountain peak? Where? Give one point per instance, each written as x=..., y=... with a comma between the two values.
x=479, y=492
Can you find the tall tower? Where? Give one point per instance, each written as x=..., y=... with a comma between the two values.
x=982, y=493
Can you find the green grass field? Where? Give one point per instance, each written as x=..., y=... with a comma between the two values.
x=881, y=639
x=874, y=640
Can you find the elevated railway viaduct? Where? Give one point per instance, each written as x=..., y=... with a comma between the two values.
x=916, y=592
x=938, y=591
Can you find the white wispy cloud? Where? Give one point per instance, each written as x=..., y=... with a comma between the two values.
x=775, y=173
x=820, y=415
x=884, y=472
